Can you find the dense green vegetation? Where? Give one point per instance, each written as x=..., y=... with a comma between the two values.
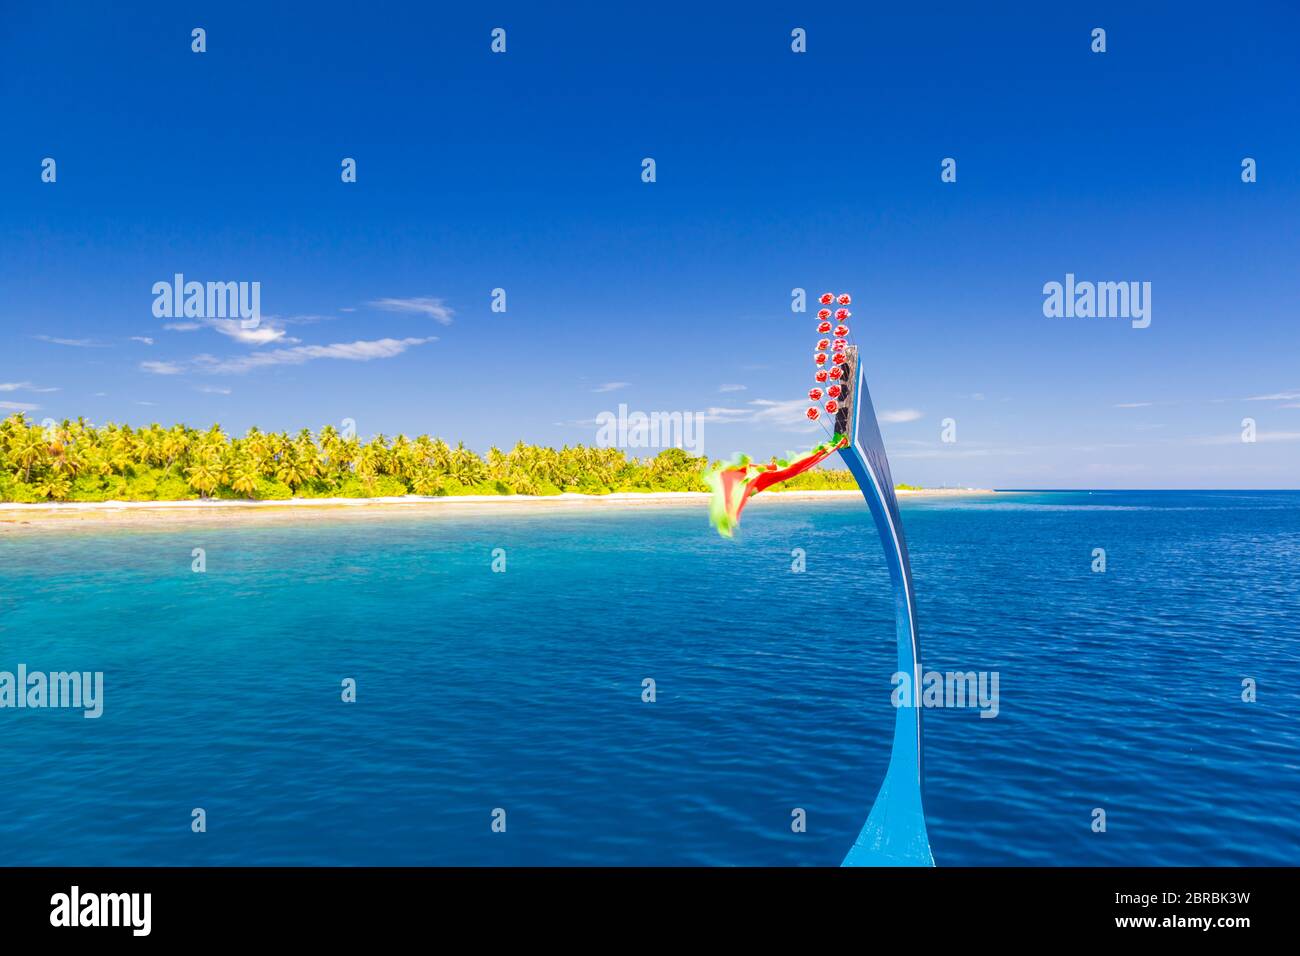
x=74, y=461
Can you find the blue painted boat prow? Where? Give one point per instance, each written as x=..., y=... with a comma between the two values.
x=894, y=834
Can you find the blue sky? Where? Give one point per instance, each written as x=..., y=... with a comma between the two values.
x=774, y=170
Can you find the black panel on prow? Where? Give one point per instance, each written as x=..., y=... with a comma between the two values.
x=844, y=415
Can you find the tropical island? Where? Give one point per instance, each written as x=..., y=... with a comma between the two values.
x=74, y=461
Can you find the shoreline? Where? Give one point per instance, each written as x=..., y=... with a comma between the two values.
x=14, y=515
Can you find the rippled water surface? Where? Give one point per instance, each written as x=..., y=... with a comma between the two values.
x=522, y=690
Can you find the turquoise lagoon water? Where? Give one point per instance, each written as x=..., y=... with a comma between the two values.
x=523, y=690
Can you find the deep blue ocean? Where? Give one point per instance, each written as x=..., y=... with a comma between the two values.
x=522, y=690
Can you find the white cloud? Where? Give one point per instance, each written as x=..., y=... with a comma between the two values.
x=264, y=334
x=360, y=351
x=162, y=368
x=717, y=415
x=212, y=389
x=611, y=386
x=432, y=308
x=1134, y=405
x=788, y=414
x=268, y=330
x=899, y=416
x=23, y=387
x=1235, y=438
x=19, y=406
x=731, y=388
x=1275, y=397
x=297, y=319
x=142, y=338
x=74, y=343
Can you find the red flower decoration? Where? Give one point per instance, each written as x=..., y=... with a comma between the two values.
x=824, y=327
x=815, y=394
x=824, y=343
x=836, y=373
x=827, y=298
x=820, y=358
x=834, y=391
x=821, y=375
x=843, y=314
x=831, y=406
x=812, y=414
x=844, y=298
x=841, y=330
x=823, y=313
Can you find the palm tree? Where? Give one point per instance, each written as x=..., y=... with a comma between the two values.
x=244, y=475
x=329, y=440
x=291, y=470
x=63, y=458
x=171, y=445
x=205, y=474
x=29, y=449
x=372, y=460
x=118, y=448
x=349, y=452
x=465, y=466
x=54, y=485
x=440, y=456
x=425, y=482
x=498, y=465
x=401, y=458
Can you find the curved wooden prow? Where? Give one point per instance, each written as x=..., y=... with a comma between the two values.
x=895, y=833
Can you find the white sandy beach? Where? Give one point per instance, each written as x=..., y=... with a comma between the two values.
x=222, y=511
